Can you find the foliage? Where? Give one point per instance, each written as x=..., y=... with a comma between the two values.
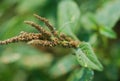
x=94, y=21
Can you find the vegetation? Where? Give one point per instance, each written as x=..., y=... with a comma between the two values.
x=72, y=36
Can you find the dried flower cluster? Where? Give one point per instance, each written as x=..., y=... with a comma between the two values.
x=43, y=38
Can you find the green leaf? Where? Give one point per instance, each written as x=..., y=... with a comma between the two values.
x=68, y=17
x=20, y=55
x=107, y=32
x=87, y=21
x=63, y=66
x=87, y=58
x=14, y=26
x=90, y=5
x=83, y=74
x=11, y=27
x=31, y=5
x=109, y=14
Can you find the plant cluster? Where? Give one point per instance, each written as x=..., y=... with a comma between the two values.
x=83, y=50
x=44, y=38
x=63, y=51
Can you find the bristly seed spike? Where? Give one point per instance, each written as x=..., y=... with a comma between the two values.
x=44, y=38
x=23, y=37
x=52, y=29
x=39, y=28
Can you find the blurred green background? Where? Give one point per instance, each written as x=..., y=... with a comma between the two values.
x=93, y=21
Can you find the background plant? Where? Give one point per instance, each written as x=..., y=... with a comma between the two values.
x=93, y=21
